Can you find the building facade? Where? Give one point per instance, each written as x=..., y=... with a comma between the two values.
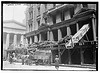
x=51, y=22
x=13, y=33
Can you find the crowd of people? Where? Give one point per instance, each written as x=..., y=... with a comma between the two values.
x=25, y=60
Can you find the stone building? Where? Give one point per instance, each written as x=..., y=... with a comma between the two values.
x=51, y=22
x=13, y=33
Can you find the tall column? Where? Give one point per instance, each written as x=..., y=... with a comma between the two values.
x=77, y=26
x=7, y=40
x=26, y=42
x=35, y=38
x=59, y=34
x=94, y=27
x=68, y=31
x=15, y=40
x=30, y=40
x=51, y=57
x=82, y=58
x=81, y=51
x=59, y=37
x=7, y=45
x=22, y=39
x=40, y=37
x=51, y=36
x=41, y=13
x=69, y=56
x=48, y=35
x=69, y=53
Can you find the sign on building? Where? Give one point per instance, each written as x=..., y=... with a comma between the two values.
x=78, y=36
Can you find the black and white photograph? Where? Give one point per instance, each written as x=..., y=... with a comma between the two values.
x=49, y=36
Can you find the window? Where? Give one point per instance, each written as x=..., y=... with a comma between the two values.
x=85, y=5
x=45, y=7
x=38, y=10
x=54, y=5
x=31, y=14
x=54, y=19
x=38, y=23
x=45, y=20
x=31, y=26
x=62, y=16
x=71, y=12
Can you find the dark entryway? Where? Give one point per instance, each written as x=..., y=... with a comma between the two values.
x=55, y=34
x=88, y=56
x=54, y=53
x=63, y=31
x=75, y=56
x=43, y=36
x=64, y=57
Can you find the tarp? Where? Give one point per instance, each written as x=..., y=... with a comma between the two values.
x=78, y=36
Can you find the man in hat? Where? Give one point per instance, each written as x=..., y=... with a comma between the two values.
x=57, y=62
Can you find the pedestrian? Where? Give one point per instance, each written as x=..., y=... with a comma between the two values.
x=57, y=62
x=10, y=58
x=14, y=59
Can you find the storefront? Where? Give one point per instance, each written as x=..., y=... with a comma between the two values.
x=80, y=53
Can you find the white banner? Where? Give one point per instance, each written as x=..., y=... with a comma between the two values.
x=77, y=36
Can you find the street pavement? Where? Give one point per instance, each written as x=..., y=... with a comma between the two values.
x=19, y=66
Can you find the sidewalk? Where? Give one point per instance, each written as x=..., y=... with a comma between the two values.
x=80, y=66
x=91, y=66
x=19, y=66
